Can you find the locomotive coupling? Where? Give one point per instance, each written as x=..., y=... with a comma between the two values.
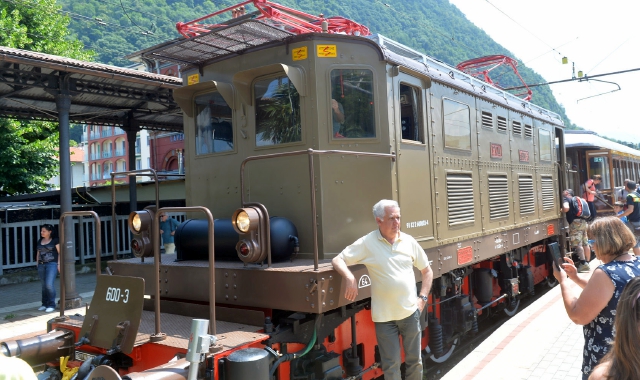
x=40, y=349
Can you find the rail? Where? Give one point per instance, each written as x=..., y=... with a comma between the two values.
x=98, y=252
x=156, y=260
x=312, y=184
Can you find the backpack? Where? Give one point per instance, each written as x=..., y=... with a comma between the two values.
x=582, y=208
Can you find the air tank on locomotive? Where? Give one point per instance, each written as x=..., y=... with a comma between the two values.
x=192, y=242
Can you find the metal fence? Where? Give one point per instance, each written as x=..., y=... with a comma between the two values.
x=18, y=240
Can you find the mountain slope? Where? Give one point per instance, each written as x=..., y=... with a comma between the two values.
x=115, y=28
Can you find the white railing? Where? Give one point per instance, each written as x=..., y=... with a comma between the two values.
x=18, y=241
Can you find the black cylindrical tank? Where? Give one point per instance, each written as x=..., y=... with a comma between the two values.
x=483, y=285
x=191, y=239
x=250, y=363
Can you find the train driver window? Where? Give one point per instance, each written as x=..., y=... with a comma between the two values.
x=214, y=131
x=544, y=138
x=457, y=125
x=410, y=115
x=351, y=104
x=277, y=111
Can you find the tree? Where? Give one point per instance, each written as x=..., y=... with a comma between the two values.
x=28, y=150
x=28, y=157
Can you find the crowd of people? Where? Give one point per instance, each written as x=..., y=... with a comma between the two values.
x=606, y=305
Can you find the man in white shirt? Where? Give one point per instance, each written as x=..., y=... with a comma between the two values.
x=622, y=192
x=390, y=256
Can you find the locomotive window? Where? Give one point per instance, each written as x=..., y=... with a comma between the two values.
x=352, y=107
x=214, y=131
x=544, y=138
x=410, y=119
x=457, y=125
x=277, y=112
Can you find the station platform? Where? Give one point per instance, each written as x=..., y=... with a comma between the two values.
x=538, y=343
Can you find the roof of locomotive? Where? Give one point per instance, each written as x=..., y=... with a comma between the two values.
x=224, y=42
x=591, y=140
x=439, y=71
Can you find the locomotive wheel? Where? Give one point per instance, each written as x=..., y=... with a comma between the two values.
x=445, y=356
x=551, y=281
x=511, y=311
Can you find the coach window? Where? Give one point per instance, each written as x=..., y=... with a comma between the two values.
x=457, y=125
x=277, y=111
x=214, y=131
x=544, y=138
x=351, y=104
x=410, y=115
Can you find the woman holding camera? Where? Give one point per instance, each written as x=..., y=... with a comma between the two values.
x=595, y=307
x=48, y=259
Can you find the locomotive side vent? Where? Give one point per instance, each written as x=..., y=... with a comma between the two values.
x=517, y=128
x=460, y=198
x=498, y=196
x=548, y=198
x=502, y=124
x=487, y=120
x=525, y=186
x=528, y=131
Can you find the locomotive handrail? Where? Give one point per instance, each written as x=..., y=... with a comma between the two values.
x=98, y=245
x=312, y=183
x=156, y=262
x=114, y=239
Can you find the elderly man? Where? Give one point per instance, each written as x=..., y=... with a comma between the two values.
x=390, y=256
x=633, y=212
x=577, y=232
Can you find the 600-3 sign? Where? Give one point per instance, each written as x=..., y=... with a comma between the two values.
x=117, y=295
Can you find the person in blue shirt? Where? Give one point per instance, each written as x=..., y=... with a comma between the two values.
x=168, y=228
x=618, y=208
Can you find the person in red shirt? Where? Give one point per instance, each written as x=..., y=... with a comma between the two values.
x=590, y=192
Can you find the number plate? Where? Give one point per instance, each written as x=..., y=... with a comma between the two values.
x=83, y=356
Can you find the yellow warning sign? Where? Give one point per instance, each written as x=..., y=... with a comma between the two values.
x=299, y=54
x=193, y=79
x=327, y=51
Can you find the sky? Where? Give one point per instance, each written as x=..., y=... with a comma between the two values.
x=598, y=37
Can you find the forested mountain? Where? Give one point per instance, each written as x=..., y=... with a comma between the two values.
x=115, y=28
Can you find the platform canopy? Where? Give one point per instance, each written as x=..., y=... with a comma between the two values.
x=100, y=94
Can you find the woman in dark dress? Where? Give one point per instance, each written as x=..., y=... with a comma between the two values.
x=48, y=259
x=595, y=307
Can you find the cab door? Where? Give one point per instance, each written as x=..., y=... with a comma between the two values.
x=414, y=164
x=600, y=162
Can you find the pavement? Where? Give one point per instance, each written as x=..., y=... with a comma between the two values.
x=19, y=305
x=538, y=343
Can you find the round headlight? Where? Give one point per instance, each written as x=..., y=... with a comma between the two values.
x=242, y=221
x=136, y=223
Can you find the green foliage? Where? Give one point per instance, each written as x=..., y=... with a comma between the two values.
x=28, y=157
x=38, y=25
x=75, y=134
x=28, y=149
x=279, y=116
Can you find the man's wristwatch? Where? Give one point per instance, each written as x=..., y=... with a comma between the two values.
x=424, y=298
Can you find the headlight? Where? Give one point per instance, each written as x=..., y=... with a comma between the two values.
x=136, y=223
x=242, y=221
